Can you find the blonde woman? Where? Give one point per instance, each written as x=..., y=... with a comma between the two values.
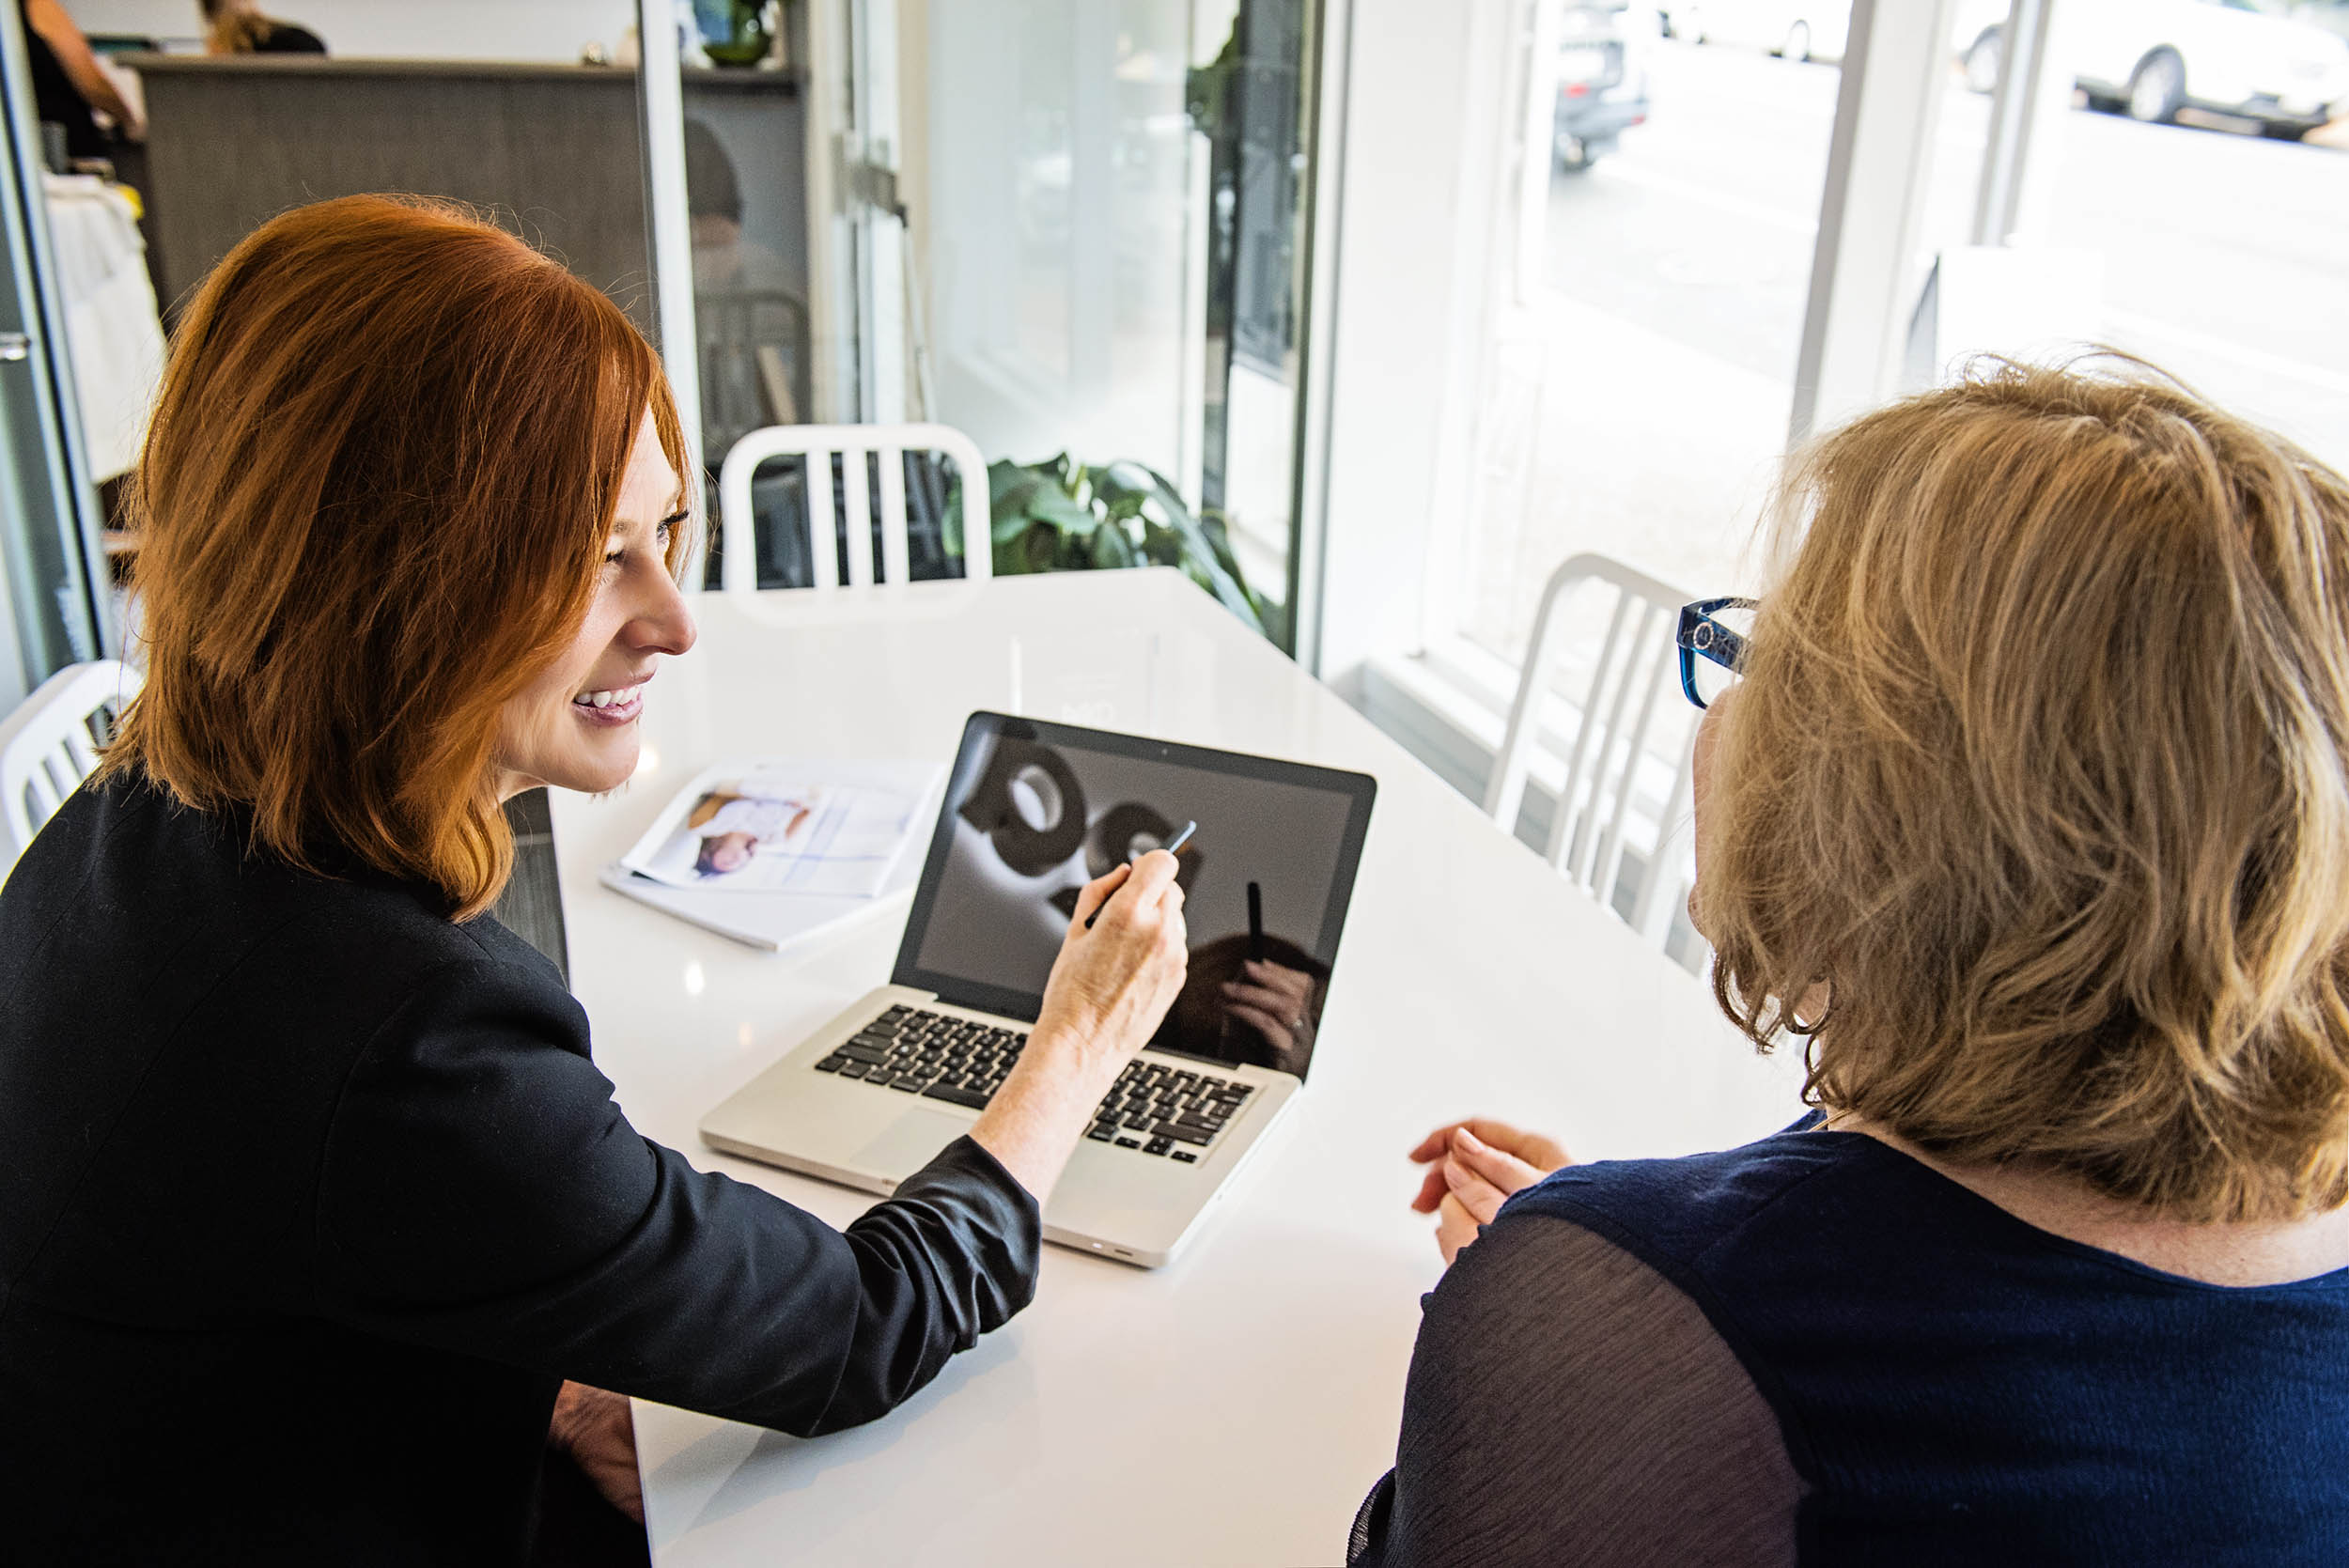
x=2029, y=817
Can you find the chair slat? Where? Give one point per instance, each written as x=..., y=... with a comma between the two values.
x=1649, y=904
x=823, y=549
x=856, y=502
x=1598, y=825
x=895, y=566
x=1656, y=645
x=1561, y=822
x=1585, y=868
x=852, y=443
x=47, y=749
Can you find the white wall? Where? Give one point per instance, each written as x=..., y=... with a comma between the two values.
x=428, y=29
x=1422, y=104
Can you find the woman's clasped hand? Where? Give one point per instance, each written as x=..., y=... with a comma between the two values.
x=1473, y=1168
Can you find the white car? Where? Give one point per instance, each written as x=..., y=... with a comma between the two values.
x=2155, y=57
x=1795, y=29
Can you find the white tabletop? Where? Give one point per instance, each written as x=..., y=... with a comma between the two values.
x=1233, y=1407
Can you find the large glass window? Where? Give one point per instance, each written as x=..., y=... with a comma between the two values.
x=2196, y=196
x=1667, y=204
x=1112, y=247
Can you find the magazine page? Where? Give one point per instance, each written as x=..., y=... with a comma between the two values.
x=832, y=828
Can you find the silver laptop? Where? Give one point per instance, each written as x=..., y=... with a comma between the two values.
x=1033, y=812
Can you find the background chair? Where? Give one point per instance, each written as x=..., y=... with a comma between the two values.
x=1624, y=793
x=853, y=444
x=49, y=744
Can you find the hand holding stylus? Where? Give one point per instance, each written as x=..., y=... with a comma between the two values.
x=1121, y=964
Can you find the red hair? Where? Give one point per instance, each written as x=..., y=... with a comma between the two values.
x=372, y=504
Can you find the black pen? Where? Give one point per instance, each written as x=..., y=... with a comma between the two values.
x=1255, y=923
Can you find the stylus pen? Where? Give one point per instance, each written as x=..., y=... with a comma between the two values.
x=1255, y=923
x=1180, y=838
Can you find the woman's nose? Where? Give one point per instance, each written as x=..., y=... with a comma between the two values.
x=666, y=625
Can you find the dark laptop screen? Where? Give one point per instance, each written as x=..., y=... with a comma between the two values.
x=1035, y=811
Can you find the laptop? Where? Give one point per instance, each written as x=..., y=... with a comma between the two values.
x=1031, y=813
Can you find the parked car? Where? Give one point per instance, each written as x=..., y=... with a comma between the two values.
x=2150, y=58
x=1602, y=78
x=1793, y=30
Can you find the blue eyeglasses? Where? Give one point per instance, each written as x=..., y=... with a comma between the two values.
x=1712, y=643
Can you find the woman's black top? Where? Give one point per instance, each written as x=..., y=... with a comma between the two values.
x=309, y=1197
x=55, y=100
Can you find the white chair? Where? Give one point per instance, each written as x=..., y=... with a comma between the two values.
x=1616, y=783
x=818, y=443
x=47, y=746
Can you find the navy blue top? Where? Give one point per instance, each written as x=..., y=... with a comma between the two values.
x=1955, y=1386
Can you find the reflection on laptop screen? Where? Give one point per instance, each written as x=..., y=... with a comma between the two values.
x=1034, y=812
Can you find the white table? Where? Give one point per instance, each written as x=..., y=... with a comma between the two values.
x=1233, y=1407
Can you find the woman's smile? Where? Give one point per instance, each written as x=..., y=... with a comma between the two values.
x=611, y=705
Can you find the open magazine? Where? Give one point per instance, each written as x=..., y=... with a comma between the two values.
x=771, y=852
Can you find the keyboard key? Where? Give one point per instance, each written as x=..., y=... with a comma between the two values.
x=953, y=1093
x=1139, y=1122
x=1189, y=1132
x=910, y=1085
x=861, y=1053
x=1157, y=1146
x=831, y=1064
x=1130, y=1143
x=1100, y=1134
x=1185, y=1156
x=853, y=1069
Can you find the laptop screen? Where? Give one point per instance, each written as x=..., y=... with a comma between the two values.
x=1035, y=811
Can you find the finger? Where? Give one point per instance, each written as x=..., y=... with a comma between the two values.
x=1261, y=996
x=1275, y=1030
x=1456, y=1228
x=1153, y=875
x=1278, y=978
x=1504, y=1170
x=1434, y=1145
x=1431, y=1191
x=1096, y=897
x=1480, y=1197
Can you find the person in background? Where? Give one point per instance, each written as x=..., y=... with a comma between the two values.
x=238, y=28
x=69, y=87
x=2029, y=815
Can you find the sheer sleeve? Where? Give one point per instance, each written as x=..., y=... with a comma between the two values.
x=480, y=1191
x=1569, y=1404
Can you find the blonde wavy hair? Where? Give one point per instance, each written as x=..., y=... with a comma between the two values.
x=2039, y=776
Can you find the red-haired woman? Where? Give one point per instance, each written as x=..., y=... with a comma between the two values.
x=313, y=1198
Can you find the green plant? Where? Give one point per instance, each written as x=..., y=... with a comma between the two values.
x=1060, y=515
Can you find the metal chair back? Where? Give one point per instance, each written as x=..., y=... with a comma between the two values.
x=49, y=745
x=1617, y=751
x=852, y=443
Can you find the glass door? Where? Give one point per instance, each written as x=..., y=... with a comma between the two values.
x=53, y=611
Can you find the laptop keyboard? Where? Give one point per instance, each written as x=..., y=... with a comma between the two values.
x=1155, y=1107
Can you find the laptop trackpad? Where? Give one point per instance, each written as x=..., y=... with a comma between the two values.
x=912, y=1142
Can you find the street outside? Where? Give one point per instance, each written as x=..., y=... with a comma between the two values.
x=1660, y=362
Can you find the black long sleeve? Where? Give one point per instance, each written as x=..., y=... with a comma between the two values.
x=481, y=1192
x=309, y=1198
